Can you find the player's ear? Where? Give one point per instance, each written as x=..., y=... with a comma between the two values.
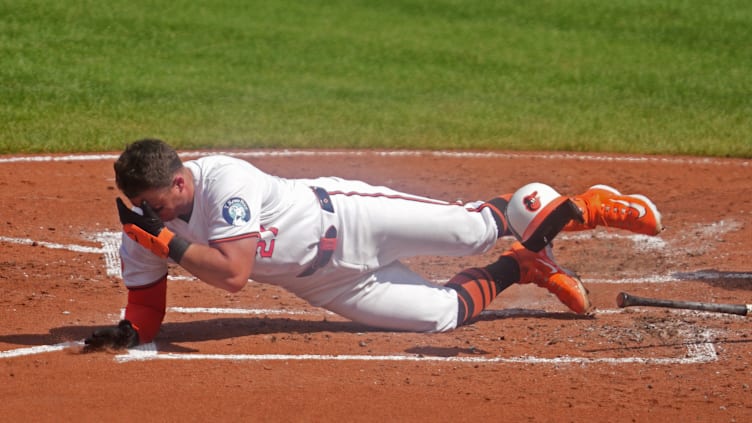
x=179, y=182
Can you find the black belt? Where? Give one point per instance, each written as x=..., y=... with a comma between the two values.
x=327, y=243
x=324, y=201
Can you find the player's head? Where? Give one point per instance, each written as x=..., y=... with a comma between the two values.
x=146, y=164
x=537, y=213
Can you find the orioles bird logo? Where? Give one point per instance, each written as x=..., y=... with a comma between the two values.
x=532, y=201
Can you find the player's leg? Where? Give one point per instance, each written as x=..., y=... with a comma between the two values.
x=536, y=213
x=477, y=287
x=397, y=298
x=379, y=225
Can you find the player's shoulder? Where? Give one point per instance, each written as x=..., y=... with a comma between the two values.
x=218, y=160
x=220, y=163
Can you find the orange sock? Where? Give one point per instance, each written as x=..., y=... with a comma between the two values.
x=476, y=287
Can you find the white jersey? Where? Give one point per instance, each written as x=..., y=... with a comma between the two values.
x=234, y=199
x=375, y=228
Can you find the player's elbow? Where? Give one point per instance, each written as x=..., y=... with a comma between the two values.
x=229, y=281
x=234, y=285
x=232, y=282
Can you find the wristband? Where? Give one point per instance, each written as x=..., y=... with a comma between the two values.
x=177, y=246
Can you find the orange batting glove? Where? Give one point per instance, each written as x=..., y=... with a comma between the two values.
x=150, y=232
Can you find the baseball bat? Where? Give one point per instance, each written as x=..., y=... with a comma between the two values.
x=626, y=300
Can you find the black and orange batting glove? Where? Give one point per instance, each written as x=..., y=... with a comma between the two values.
x=150, y=232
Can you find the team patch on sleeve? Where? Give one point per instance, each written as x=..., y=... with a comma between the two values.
x=236, y=211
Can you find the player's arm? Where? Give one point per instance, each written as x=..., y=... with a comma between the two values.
x=224, y=264
x=143, y=318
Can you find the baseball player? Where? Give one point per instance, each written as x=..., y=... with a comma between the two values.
x=338, y=243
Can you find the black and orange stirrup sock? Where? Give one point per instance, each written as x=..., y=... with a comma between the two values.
x=498, y=207
x=477, y=286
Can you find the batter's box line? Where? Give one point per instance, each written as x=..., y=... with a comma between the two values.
x=39, y=349
x=696, y=354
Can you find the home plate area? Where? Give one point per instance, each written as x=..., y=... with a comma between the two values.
x=271, y=335
x=286, y=328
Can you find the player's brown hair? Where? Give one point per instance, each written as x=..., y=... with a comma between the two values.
x=146, y=164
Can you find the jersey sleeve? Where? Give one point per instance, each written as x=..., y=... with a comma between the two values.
x=234, y=198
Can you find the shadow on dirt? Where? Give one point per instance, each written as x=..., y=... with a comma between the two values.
x=445, y=351
x=510, y=313
x=198, y=330
x=227, y=328
x=719, y=279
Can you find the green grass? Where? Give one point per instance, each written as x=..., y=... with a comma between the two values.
x=635, y=76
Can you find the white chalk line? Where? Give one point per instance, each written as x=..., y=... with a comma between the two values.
x=40, y=349
x=242, y=311
x=53, y=245
x=406, y=153
x=697, y=353
x=695, y=356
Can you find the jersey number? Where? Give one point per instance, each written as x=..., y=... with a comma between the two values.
x=265, y=248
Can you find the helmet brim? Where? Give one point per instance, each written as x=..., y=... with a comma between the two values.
x=549, y=222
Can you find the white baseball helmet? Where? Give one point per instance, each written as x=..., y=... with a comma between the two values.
x=536, y=213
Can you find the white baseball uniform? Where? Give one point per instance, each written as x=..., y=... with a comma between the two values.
x=335, y=243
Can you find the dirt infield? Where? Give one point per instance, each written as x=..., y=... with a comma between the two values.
x=264, y=355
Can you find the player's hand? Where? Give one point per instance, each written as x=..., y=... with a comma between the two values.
x=149, y=221
x=150, y=232
x=121, y=336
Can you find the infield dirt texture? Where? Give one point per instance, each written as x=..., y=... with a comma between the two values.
x=264, y=355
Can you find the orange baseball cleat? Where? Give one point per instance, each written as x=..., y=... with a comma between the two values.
x=604, y=205
x=541, y=269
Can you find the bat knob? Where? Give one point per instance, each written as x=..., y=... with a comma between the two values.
x=621, y=299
